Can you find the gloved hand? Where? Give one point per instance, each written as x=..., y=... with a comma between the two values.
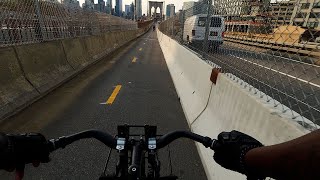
x=230, y=150
x=18, y=150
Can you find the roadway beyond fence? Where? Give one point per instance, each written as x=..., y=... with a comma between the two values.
x=30, y=71
x=214, y=102
x=279, y=60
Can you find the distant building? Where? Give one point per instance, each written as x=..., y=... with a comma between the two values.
x=281, y=13
x=193, y=8
x=245, y=16
x=71, y=3
x=188, y=5
x=306, y=14
x=242, y=8
x=118, y=8
x=170, y=10
x=138, y=11
x=109, y=6
x=88, y=4
x=231, y=8
x=127, y=10
x=132, y=12
x=101, y=6
x=181, y=17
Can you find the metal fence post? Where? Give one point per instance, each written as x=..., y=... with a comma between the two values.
x=182, y=24
x=40, y=26
x=206, y=36
x=172, y=27
x=91, y=26
x=120, y=25
x=110, y=25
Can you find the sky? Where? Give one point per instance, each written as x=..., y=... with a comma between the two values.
x=177, y=3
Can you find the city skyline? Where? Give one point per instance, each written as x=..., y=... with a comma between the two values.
x=178, y=4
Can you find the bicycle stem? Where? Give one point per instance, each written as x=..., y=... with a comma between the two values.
x=134, y=169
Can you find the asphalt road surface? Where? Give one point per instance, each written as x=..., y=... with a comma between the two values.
x=132, y=87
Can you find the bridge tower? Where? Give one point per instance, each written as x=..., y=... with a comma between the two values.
x=156, y=5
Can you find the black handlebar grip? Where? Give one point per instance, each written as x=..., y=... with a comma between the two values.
x=22, y=149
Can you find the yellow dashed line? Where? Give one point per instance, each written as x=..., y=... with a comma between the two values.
x=140, y=49
x=134, y=60
x=114, y=94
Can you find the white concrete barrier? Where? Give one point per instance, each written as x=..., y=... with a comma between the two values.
x=190, y=76
x=230, y=106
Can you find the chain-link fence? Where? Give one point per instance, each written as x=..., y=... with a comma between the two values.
x=272, y=46
x=30, y=21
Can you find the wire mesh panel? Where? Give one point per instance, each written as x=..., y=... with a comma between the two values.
x=272, y=46
x=30, y=21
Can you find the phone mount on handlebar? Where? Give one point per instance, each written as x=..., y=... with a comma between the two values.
x=136, y=151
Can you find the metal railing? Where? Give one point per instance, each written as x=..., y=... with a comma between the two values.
x=32, y=21
x=277, y=55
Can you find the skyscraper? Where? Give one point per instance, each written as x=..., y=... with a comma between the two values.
x=118, y=8
x=109, y=6
x=132, y=11
x=88, y=4
x=101, y=6
x=138, y=4
x=170, y=11
x=127, y=10
x=71, y=3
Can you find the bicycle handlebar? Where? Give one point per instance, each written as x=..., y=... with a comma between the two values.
x=27, y=148
x=63, y=141
x=168, y=138
x=111, y=142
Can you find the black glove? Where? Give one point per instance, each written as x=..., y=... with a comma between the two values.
x=18, y=150
x=230, y=150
